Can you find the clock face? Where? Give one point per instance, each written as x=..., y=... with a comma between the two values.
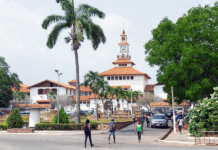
x=123, y=49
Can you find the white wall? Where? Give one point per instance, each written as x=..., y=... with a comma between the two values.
x=158, y=90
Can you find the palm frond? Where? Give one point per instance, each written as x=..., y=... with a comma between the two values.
x=68, y=7
x=52, y=19
x=87, y=25
x=97, y=36
x=90, y=11
x=67, y=39
x=53, y=36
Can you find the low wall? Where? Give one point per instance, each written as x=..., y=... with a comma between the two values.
x=20, y=130
x=119, y=125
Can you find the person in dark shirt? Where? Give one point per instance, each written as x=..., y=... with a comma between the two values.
x=87, y=131
x=111, y=130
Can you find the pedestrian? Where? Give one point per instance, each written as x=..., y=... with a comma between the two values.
x=148, y=121
x=133, y=116
x=87, y=131
x=142, y=120
x=111, y=130
x=99, y=116
x=139, y=130
x=180, y=120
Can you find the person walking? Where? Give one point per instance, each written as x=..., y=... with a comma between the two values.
x=142, y=118
x=139, y=130
x=148, y=121
x=134, y=116
x=87, y=131
x=180, y=120
x=111, y=130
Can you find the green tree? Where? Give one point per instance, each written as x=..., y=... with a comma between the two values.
x=80, y=22
x=63, y=118
x=92, y=80
x=186, y=53
x=128, y=98
x=19, y=95
x=117, y=92
x=136, y=95
x=51, y=96
x=15, y=120
x=123, y=97
x=111, y=92
x=8, y=81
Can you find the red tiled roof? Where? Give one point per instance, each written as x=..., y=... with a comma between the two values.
x=82, y=98
x=123, y=43
x=123, y=33
x=164, y=100
x=167, y=104
x=86, y=89
x=72, y=81
x=123, y=71
x=23, y=88
x=149, y=87
x=157, y=84
x=123, y=61
x=43, y=101
x=33, y=105
x=122, y=86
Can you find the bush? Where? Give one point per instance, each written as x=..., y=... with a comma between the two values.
x=15, y=120
x=204, y=116
x=63, y=118
x=3, y=126
x=54, y=126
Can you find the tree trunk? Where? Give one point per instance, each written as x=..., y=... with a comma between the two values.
x=123, y=109
x=77, y=88
x=103, y=108
x=96, y=105
x=118, y=111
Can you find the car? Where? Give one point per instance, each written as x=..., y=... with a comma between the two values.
x=2, y=113
x=69, y=112
x=178, y=116
x=169, y=113
x=157, y=111
x=147, y=112
x=25, y=112
x=159, y=120
x=178, y=110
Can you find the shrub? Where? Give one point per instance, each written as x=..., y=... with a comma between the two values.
x=204, y=116
x=54, y=126
x=3, y=126
x=63, y=118
x=15, y=120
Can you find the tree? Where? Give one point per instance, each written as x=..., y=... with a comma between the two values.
x=80, y=22
x=111, y=92
x=66, y=101
x=19, y=95
x=15, y=120
x=147, y=99
x=117, y=92
x=8, y=81
x=136, y=95
x=92, y=80
x=52, y=96
x=63, y=118
x=128, y=98
x=26, y=100
x=123, y=97
x=186, y=53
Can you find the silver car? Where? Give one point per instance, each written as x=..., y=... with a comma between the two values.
x=69, y=112
x=159, y=120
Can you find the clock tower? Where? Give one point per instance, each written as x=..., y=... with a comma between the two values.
x=124, y=47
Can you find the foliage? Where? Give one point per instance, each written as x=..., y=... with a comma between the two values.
x=204, y=116
x=148, y=98
x=18, y=95
x=15, y=120
x=53, y=126
x=8, y=81
x=63, y=118
x=52, y=96
x=186, y=53
x=3, y=126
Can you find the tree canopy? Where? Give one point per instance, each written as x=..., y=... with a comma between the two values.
x=186, y=53
x=8, y=81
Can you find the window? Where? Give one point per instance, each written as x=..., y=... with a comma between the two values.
x=116, y=78
x=119, y=64
x=132, y=77
x=40, y=91
x=112, y=78
x=123, y=38
x=51, y=84
x=81, y=102
x=123, y=56
x=124, y=78
x=125, y=64
x=120, y=78
x=55, y=90
x=127, y=77
x=108, y=78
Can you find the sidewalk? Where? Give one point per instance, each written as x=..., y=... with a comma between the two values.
x=179, y=138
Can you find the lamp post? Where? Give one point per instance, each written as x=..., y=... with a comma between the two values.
x=58, y=92
x=131, y=101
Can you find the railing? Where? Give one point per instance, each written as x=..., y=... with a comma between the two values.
x=206, y=137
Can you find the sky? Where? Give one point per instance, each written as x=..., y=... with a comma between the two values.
x=23, y=41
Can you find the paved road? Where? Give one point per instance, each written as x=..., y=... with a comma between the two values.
x=125, y=138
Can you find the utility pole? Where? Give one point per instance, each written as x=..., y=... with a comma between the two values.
x=174, y=119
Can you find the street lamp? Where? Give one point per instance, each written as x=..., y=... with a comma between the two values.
x=58, y=92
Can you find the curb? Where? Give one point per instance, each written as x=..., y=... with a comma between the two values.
x=166, y=135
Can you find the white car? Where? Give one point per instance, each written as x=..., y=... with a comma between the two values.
x=70, y=112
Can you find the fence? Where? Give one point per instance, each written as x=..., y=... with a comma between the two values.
x=206, y=138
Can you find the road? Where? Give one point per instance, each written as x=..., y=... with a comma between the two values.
x=125, y=138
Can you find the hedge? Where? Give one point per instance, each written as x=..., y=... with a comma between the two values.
x=3, y=126
x=54, y=126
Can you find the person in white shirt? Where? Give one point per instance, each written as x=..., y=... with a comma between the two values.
x=180, y=120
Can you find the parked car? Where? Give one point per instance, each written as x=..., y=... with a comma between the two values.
x=25, y=112
x=157, y=111
x=159, y=120
x=145, y=112
x=178, y=116
x=169, y=113
x=69, y=112
x=2, y=113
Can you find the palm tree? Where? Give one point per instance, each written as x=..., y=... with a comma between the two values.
x=79, y=21
x=123, y=97
x=102, y=94
x=118, y=95
x=110, y=90
x=51, y=96
x=128, y=97
x=92, y=80
x=19, y=95
x=137, y=95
